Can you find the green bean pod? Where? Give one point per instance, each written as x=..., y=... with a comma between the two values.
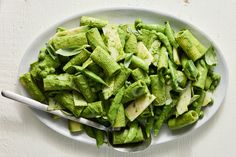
x=161, y=118
x=166, y=42
x=139, y=63
x=170, y=35
x=173, y=72
x=90, y=75
x=156, y=27
x=176, y=58
x=79, y=59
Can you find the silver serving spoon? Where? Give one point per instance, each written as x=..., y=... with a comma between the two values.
x=43, y=107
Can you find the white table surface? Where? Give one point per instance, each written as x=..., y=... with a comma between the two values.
x=22, y=134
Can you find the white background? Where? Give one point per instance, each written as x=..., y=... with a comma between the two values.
x=22, y=134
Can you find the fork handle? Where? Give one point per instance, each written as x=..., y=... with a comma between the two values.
x=43, y=107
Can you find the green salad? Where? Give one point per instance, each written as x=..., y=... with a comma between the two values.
x=136, y=77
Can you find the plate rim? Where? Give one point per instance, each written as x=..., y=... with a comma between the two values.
x=128, y=8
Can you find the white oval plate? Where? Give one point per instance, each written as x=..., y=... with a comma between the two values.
x=127, y=15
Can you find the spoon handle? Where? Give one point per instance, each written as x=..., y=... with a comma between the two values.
x=43, y=107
